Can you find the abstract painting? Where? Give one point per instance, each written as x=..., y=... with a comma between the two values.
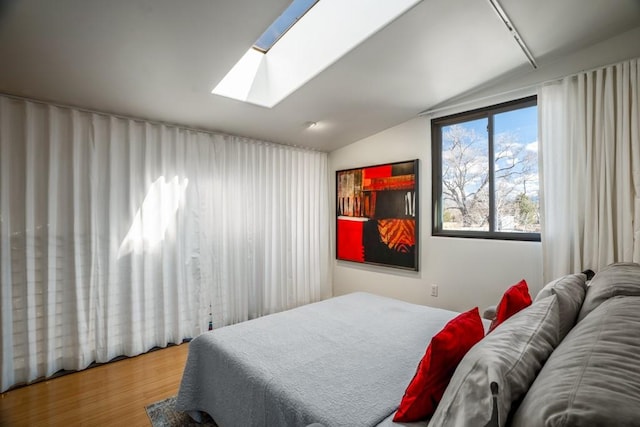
x=377, y=216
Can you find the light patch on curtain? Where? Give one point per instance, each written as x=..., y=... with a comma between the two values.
x=154, y=216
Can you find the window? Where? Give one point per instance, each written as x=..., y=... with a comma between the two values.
x=485, y=173
x=289, y=17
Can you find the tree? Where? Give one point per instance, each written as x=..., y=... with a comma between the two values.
x=527, y=210
x=465, y=177
x=465, y=174
x=516, y=168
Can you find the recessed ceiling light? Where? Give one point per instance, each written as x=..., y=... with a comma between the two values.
x=310, y=125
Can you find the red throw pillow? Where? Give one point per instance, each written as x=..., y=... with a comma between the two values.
x=444, y=353
x=514, y=299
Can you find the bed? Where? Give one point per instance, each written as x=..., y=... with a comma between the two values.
x=345, y=361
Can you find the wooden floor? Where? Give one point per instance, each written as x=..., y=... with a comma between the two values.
x=114, y=394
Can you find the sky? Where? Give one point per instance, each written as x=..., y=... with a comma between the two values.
x=523, y=122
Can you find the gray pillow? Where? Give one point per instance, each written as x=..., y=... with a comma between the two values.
x=592, y=378
x=571, y=291
x=499, y=369
x=614, y=279
x=546, y=291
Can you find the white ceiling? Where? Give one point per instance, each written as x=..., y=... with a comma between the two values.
x=159, y=60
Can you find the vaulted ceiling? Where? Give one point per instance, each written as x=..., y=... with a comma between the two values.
x=159, y=60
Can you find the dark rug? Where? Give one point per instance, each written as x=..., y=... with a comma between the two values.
x=162, y=414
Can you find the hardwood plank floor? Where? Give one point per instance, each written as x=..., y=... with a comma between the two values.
x=114, y=394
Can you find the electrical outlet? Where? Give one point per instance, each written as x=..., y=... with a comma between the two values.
x=434, y=290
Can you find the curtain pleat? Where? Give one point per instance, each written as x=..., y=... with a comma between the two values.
x=590, y=163
x=119, y=235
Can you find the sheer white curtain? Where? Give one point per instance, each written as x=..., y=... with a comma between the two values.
x=590, y=167
x=119, y=235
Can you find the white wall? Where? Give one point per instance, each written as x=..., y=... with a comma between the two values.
x=469, y=272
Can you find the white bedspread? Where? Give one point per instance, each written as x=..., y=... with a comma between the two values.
x=345, y=361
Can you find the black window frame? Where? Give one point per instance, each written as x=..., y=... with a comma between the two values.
x=436, y=156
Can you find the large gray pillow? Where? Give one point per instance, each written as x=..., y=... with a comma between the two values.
x=571, y=291
x=499, y=369
x=592, y=378
x=614, y=279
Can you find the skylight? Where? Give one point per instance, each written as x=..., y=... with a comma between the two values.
x=297, y=53
x=289, y=17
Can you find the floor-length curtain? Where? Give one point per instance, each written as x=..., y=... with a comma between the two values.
x=590, y=167
x=118, y=235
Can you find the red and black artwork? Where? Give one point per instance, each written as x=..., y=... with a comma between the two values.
x=377, y=215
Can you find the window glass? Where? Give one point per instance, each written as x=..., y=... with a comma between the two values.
x=465, y=173
x=281, y=25
x=516, y=170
